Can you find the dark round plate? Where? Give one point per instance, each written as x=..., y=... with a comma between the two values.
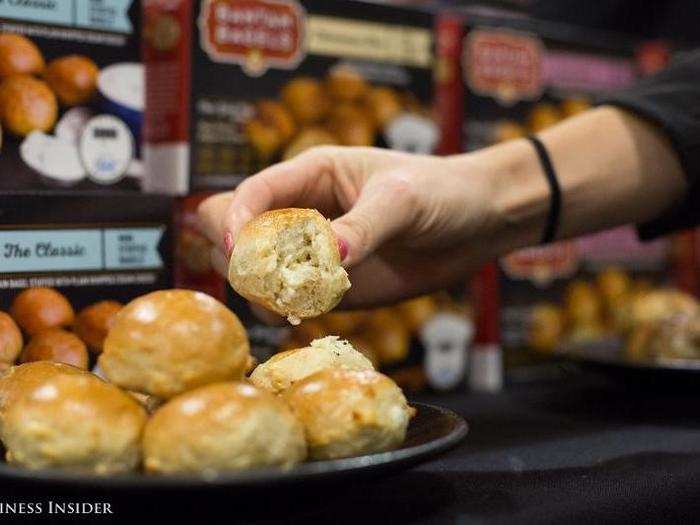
x=432, y=431
x=608, y=358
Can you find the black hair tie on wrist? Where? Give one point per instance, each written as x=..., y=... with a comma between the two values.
x=552, y=224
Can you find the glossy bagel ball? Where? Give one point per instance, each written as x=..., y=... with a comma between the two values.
x=56, y=344
x=170, y=341
x=75, y=422
x=73, y=78
x=286, y=368
x=349, y=412
x=27, y=104
x=93, y=323
x=19, y=56
x=36, y=309
x=222, y=427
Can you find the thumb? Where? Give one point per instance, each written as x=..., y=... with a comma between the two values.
x=379, y=214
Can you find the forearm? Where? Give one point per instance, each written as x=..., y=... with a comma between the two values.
x=613, y=169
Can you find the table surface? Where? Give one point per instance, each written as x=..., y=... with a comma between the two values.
x=579, y=448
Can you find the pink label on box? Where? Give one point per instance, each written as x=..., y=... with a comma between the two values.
x=586, y=72
x=621, y=246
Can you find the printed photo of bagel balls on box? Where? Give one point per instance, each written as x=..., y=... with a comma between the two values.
x=254, y=83
x=71, y=106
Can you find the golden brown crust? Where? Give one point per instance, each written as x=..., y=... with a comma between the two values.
x=349, y=412
x=22, y=378
x=219, y=427
x=55, y=344
x=74, y=421
x=309, y=138
x=73, y=78
x=384, y=104
x=10, y=339
x=656, y=305
x=286, y=368
x=36, y=309
x=19, y=56
x=287, y=260
x=93, y=323
x=170, y=341
x=27, y=104
x=306, y=99
x=346, y=84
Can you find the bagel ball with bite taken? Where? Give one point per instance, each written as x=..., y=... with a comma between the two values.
x=288, y=261
x=222, y=427
x=349, y=412
x=286, y=368
x=170, y=341
x=75, y=422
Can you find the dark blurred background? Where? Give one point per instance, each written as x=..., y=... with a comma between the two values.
x=672, y=19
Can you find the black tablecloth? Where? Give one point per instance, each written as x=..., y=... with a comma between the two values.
x=580, y=448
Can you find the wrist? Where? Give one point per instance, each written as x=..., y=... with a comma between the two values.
x=515, y=192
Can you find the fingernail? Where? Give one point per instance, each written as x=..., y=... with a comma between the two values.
x=228, y=244
x=343, y=249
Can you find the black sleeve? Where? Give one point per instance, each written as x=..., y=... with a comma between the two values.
x=671, y=100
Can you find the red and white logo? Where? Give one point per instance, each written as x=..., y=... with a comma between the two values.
x=256, y=34
x=504, y=65
x=543, y=264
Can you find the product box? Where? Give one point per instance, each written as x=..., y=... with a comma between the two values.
x=71, y=95
x=192, y=258
x=234, y=86
x=91, y=246
x=503, y=76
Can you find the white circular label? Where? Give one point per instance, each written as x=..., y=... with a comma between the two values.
x=106, y=148
x=412, y=133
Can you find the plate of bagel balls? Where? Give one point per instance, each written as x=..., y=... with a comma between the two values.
x=163, y=390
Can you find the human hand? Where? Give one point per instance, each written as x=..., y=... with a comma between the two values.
x=406, y=224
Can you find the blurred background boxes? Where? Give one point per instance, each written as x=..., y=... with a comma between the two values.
x=501, y=76
x=72, y=95
x=90, y=246
x=235, y=86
